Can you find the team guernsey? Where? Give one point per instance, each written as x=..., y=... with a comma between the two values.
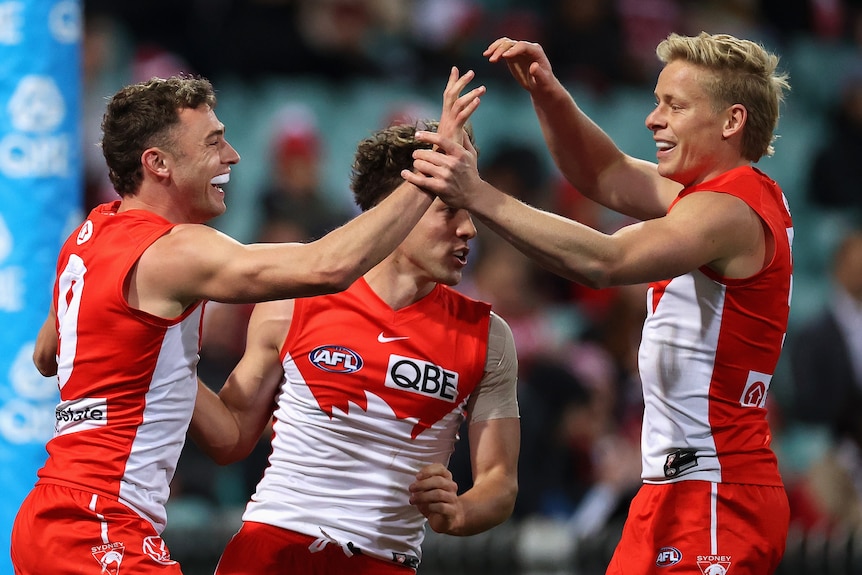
x=709, y=349
x=370, y=396
x=127, y=379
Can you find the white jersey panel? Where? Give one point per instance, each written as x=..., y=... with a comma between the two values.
x=169, y=404
x=676, y=361
x=364, y=459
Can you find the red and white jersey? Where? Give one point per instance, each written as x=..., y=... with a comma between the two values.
x=709, y=349
x=127, y=379
x=370, y=396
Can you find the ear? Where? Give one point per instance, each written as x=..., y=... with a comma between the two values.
x=735, y=119
x=155, y=161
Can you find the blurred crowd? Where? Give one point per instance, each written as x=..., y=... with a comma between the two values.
x=579, y=389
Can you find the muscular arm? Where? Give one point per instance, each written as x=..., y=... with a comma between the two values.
x=195, y=262
x=584, y=153
x=227, y=425
x=494, y=450
x=731, y=239
x=45, y=351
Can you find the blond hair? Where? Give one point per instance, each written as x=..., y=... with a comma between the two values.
x=743, y=72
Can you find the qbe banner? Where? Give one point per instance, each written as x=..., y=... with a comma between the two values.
x=41, y=194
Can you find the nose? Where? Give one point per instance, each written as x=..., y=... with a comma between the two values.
x=466, y=228
x=230, y=155
x=652, y=120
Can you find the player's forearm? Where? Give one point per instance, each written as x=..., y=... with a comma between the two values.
x=486, y=505
x=213, y=428
x=565, y=247
x=365, y=241
x=579, y=147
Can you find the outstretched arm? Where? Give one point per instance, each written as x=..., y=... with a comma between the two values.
x=227, y=425
x=584, y=153
x=195, y=262
x=730, y=241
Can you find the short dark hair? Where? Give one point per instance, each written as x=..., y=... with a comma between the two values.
x=142, y=115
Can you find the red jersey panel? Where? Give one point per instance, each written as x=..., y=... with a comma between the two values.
x=371, y=395
x=708, y=352
x=127, y=379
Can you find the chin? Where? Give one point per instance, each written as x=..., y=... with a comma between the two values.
x=450, y=280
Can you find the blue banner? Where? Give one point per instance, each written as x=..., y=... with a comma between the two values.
x=41, y=191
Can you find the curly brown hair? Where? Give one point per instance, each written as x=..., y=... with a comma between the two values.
x=144, y=115
x=379, y=159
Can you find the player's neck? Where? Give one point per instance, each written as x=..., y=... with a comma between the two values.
x=398, y=290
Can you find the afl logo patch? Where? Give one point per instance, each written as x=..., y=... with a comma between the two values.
x=668, y=556
x=335, y=359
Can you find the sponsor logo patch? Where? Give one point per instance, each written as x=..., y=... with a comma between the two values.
x=756, y=388
x=668, y=556
x=679, y=461
x=422, y=377
x=80, y=415
x=335, y=359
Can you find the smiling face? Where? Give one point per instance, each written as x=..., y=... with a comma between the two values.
x=690, y=134
x=199, y=153
x=437, y=247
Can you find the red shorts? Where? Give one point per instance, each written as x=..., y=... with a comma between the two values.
x=65, y=531
x=260, y=549
x=703, y=528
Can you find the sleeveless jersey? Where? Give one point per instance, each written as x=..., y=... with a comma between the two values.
x=127, y=379
x=709, y=349
x=370, y=396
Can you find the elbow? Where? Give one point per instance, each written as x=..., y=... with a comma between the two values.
x=47, y=366
x=343, y=281
x=596, y=276
x=338, y=276
x=509, y=501
x=225, y=459
x=595, y=282
x=222, y=455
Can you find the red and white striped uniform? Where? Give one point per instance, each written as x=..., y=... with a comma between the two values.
x=709, y=349
x=127, y=378
x=370, y=396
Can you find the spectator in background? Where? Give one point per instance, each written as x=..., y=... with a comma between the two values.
x=837, y=170
x=645, y=23
x=322, y=38
x=293, y=195
x=740, y=18
x=102, y=66
x=518, y=169
x=826, y=363
x=407, y=111
x=586, y=41
x=826, y=357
